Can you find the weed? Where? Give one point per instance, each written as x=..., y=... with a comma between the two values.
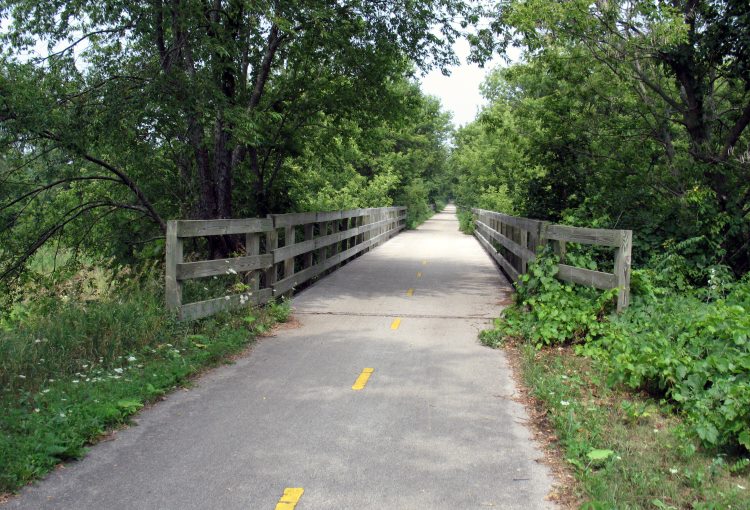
x=70, y=370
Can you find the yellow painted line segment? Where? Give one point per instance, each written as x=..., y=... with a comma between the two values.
x=361, y=381
x=419, y=274
x=290, y=498
x=410, y=292
x=395, y=324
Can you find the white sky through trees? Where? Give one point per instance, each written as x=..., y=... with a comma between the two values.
x=459, y=92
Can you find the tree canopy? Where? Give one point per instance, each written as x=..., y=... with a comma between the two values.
x=146, y=111
x=620, y=114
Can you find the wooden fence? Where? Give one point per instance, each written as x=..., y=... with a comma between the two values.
x=513, y=243
x=282, y=251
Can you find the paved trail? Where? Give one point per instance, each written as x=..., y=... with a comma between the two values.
x=433, y=427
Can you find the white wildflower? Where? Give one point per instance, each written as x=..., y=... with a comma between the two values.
x=38, y=341
x=564, y=403
x=231, y=271
x=131, y=358
x=45, y=391
x=674, y=471
x=118, y=370
x=76, y=381
x=21, y=376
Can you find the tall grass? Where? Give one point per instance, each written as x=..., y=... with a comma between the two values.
x=57, y=337
x=81, y=353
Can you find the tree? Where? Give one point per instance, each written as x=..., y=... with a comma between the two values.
x=678, y=72
x=187, y=108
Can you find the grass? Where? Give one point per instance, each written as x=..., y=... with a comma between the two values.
x=627, y=450
x=72, y=369
x=465, y=221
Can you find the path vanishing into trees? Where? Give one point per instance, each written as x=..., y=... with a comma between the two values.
x=377, y=395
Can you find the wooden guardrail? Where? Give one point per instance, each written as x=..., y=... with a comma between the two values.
x=282, y=251
x=513, y=243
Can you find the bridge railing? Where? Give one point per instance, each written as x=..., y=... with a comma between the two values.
x=513, y=243
x=282, y=252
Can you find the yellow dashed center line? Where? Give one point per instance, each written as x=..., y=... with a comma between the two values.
x=410, y=292
x=362, y=379
x=396, y=323
x=290, y=498
x=419, y=274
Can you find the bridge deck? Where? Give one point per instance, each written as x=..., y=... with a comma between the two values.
x=433, y=428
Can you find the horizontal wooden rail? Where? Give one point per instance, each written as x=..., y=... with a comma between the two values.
x=328, y=239
x=513, y=243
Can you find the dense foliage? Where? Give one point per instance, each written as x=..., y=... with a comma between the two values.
x=139, y=112
x=692, y=349
x=620, y=115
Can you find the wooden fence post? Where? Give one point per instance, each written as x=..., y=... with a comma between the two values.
x=622, y=269
x=289, y=239
x=308, y=257
x=252, y=247
x=272, y=242
x=173, y=252
x=322, y=252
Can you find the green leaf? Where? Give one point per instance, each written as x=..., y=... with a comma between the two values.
x=129, y=405
x=598, y=455
x=744, y=438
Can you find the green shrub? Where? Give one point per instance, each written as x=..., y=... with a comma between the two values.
x=690, y=348
x=549, y=311
x=694, y=353
x=465, y=221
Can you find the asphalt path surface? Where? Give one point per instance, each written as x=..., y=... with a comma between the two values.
x=378, y=396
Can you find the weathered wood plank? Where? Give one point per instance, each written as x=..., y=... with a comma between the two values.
x=173, y=252
x=515, y=221
x=198, y=228
x=511, y=245
x=524, y=242
x=328, y=216
x=252, y=247
x=596, y=236
x=622, y=268
x=290, y=251
x=200, y=309
x=293, y=219
x=353, y=213
x=290, y=282
x=272, y=242
x=581, y=276
x=307, y=260
x=327, y=240
x=289, y=243
x=201, y=269
x=502, y=261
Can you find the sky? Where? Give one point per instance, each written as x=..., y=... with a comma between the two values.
x=459, y=92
